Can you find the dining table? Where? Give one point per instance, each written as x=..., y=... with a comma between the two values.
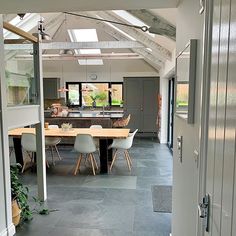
x=105, y=136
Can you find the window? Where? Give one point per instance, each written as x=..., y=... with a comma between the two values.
x=94, y=94
x=85, y=35
x=116, y=94
x=74, y=94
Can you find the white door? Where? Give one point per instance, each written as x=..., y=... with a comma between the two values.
x=221, y=172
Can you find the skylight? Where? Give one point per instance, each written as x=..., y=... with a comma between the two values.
x=86, y=35
x=29, y=21
x=131, y=19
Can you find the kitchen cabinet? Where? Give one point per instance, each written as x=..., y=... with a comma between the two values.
x=140, y=100
x=50, y=88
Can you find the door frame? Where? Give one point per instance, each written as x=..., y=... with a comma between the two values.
x=205, y=104
x=170, y=119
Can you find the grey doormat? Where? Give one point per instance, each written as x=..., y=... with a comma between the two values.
x=162, y=198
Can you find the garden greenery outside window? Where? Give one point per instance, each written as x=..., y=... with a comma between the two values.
x=89, y=94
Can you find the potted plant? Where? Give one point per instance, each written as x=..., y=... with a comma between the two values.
x=94, y=98
x=19, y=194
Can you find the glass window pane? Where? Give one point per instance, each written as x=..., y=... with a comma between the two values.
x=182, y=96
x=95, y=94
x=116, y=95
x=73, y=94
x=19, y=74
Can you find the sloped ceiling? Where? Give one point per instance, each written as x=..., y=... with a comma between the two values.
x=13, y=6
x=161, y=46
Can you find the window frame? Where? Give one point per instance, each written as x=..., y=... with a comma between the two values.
x=80, y=92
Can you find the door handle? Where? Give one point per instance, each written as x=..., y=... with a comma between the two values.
x=203, y=211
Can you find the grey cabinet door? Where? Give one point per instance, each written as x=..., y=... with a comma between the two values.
x=149, y=106
x=50, y=88
x=140, y=100
x=132, y=102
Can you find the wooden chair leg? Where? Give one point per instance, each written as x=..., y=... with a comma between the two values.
x=127, y=160
x=58, y=154
x=113, y=159
x=78, y=164
x=129, y=157
x=53, y=162
x=92, y=163
x=95, y=162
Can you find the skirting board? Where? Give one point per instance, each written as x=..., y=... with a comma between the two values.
x=10, y=231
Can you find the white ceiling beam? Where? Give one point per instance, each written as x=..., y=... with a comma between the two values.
x=116, y=56
x=157, y=50
x=13, y=6
x=158, y=25
x=79, y=45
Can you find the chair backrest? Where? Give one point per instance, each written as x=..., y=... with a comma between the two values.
x=123, y=122
x=125, y=143
x=28, y=142
x=84, y=143
x=127, y=120
x=53, y=127
x=95, y=127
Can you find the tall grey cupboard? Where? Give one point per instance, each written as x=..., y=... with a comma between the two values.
x=140, y=100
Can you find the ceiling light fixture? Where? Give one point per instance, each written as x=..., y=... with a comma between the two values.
x=65, y=52
x=44, y=36
x=62, y=89
x=110, y=89
x=21, y=15
x=144, y=28
x=86, y=88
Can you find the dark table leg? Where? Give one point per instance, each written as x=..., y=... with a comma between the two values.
x=103, y=145
x=18, y=151
x=105, y=155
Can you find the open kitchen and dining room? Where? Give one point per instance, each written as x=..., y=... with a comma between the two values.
x=94, y=164
x=117, y=118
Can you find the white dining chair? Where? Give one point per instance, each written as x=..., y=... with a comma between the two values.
x=85, y=145
x=28, y=143
x=123, y=145
x=52, y=142
x=96, y=140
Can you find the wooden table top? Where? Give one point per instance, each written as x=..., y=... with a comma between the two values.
x=96, y=133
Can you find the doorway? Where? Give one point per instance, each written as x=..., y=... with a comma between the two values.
x=170, y=125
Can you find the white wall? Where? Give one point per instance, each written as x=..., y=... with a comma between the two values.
x=72, y=71
x=166, y=73
x=185, y=174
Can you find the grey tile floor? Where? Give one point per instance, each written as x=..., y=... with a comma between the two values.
x=117, y=204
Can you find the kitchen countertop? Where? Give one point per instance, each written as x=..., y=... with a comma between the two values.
x=113, y=114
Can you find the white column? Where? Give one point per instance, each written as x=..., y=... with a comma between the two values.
x=41, y=158
x=6, y=226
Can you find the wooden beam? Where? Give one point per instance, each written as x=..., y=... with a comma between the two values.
x=19, y=32
x=158, y=25
x=15, y=41
x=55, y=57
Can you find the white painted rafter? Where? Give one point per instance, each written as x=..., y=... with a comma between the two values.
x=157, y=50
x=158, y=25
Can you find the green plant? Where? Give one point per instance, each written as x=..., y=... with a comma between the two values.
x=20, y=194
x=94, y=97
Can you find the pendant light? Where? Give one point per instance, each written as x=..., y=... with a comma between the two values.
x=64, y=52
x=62, y=89
x=86, y=89
x=41, y=30
x=110, y=89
